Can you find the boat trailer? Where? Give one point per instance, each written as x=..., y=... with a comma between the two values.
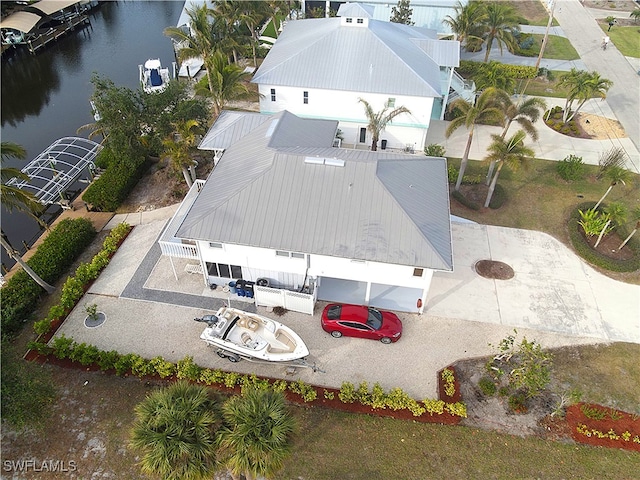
x=235, y=357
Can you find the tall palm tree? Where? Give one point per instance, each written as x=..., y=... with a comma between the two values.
x=175, y=431
x=200, y=39
x=379, y=120
x=616, y=214
x=252, y=15
x=225, y=82
x=582, y=86
x=511, y=152
x=466, y=24
x=485, y=109
x=616, y=175
x=256, y=437
x=525, y=112
x=500, y=22
x=228, y=15
x=14, y=198
x=178, y=146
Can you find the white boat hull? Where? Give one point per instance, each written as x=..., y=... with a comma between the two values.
x=254, y=336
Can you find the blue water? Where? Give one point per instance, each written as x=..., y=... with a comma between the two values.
x=46, y=96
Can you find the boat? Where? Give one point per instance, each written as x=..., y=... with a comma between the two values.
x=239, y=334
x=153, y=77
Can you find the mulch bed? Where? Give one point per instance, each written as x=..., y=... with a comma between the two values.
x=494, y=269
x=616, y=430
x=608, y=246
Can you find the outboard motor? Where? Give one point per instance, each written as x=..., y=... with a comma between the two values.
x=210, y=320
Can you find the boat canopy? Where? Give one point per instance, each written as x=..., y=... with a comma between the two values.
x=57, y=168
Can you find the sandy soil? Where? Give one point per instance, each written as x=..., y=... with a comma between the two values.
x=600, y=128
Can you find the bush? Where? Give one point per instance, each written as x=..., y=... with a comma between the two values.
x=465, y=201
x=518, y=403
x=434, y=150
x=571, y=168
x=487, y=386
x=498, y=198
x=108, y=191
x=53, y=257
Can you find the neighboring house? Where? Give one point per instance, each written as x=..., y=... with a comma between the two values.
x=315, y=221
x=319, y=68
x=426, y=13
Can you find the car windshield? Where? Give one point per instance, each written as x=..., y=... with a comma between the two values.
x=375, y=319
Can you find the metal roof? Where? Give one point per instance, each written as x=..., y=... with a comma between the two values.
x=356, y=10
x=229, y=127
x=21, y=21
x=381, y=57
x=375, y=206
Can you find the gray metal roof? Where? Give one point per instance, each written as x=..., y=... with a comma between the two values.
x=378, y=206
x=229, y=127
x=381, y=57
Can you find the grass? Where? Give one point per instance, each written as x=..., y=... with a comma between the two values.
x=558, y=48
x=544, y=88
x=597, y=373
x=626, y=39
x=555, y=199
x=532, y=12
x=334, y=445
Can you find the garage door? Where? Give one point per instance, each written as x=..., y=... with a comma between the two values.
x=392, y=297
x=342, y=291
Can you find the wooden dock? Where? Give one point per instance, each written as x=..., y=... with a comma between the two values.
x=53, y=34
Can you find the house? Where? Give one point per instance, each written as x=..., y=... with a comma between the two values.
x=320, y=68
x=314, y=221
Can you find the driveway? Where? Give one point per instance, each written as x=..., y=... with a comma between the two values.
x=150, y=311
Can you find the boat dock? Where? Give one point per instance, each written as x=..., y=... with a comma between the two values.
x=54, y=33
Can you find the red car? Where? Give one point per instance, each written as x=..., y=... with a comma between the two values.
x=362, y=322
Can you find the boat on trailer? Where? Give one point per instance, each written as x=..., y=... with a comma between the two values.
x=153, y=77
x=239, y=334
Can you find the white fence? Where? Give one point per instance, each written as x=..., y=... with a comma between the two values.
x=275, y=297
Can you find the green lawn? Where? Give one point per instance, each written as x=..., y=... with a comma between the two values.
x=538, y=199
x=626, y=39
x=333, y=445
x=558, y=48
x=544, y=88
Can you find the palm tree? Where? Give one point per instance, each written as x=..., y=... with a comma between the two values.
x=500, y=22
x=582, y=86
x=635, y=14
x=379, y=120
x=525, y=112
x=253, y=14
x=615, y=174
x=255, y=438
x=200, y=40
x=485, y=109
x=511, y=152
x=466, y=23
x=14, y=198
x=175, y=431
x=178, y=146
x=616, y=213
x=225, y=82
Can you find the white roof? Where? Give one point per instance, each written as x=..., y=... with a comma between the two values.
x=380, y=57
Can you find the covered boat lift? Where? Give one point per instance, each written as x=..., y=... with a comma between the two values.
x=56, y=169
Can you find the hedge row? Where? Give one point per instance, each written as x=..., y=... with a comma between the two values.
x=65, y=348
x=108, y=191
x=471, y=68
x=74, y=288
x=594, y=257
x=66, y=241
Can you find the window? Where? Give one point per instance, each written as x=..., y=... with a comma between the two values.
x=356, y=325
x=349, y=20
x=305, y=97
x=273, y=94
x=297, y=255
x=223, y=270
x=360, y=20
x=391, y=102
x=363, y=135
x=417, y=272
x=281, y=253
x=215, y=245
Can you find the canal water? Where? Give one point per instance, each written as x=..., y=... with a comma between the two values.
x=46, y=96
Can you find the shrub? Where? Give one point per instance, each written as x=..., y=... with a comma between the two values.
x=498, y=198
x=487, y=386
x=123, y=364
x=465, y=201
x=593, y=222
x=518, y=403
x=449, y=382
x=162, y=367
x=107, y=360
x=306, y=391
x=52, y=258
x=452, y=173
x=571, y=168
x=347, y=393
x=108, y=191
x=187, y=370
x=434, y=150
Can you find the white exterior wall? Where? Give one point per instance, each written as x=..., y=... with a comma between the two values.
x=406, y=129
x=265, y=260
